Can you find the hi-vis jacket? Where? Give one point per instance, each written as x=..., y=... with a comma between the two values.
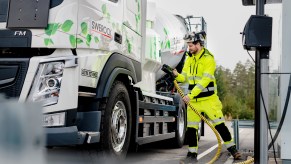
x=198, y=71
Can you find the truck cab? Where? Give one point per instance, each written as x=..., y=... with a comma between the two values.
x=91, y=65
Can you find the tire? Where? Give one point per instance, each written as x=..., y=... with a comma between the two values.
x=116, y=122
x=181, y=125
x=199, y=131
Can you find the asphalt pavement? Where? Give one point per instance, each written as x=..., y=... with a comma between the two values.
x=159, y=152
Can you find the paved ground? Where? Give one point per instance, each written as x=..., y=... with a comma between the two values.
x=158, y=153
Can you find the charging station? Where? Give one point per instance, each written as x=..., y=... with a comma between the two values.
x=257, y=36
x=285, y=142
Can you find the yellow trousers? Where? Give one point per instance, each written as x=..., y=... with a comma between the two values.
x=212, y=107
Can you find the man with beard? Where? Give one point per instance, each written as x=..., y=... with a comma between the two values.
x=198, y=71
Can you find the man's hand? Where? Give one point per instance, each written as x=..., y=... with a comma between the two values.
x=175, y=72
x=186, y=99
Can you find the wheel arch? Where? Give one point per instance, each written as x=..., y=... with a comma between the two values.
x=119, y=74
x=118, y=67
x=126, y=70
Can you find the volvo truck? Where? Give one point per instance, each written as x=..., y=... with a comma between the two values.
x=93, y=65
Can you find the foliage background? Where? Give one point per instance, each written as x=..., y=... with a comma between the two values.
x=236, y=90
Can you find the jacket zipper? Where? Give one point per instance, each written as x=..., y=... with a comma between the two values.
x=190, y=69
x=194, y=71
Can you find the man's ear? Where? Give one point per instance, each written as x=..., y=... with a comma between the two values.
x=200, y=44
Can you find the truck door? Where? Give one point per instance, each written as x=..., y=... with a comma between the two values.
x=100, y=24
x=132, y=28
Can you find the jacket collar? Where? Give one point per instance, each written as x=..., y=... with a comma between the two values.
x=198, y=56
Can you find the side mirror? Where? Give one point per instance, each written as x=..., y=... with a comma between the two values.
x=253, y=2
x=248, y=2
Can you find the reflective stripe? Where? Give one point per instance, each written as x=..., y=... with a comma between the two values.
x=229, y=144
x=208, y=89
x=190, y=78
x=193, y=123
x=208, y=75
x=194, y=78
x=217, y=120
x=200, y=86
x=193, y=149
x=184, y=74
x=198, y=78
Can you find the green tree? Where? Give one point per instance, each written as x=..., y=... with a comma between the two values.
x=237, y=90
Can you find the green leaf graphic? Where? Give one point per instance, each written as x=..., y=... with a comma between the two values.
x=66, y=27
x=96, y=39
x=168, y=44
x=165, y=31
x=51, y=28
x=108, y=16
x=84, y=28
x=48, y=41
x=73, y=40
x=88, y=39
x=104, y=9
x=138, y=16
x=79, y=41
x=136, y=19
x=138, y=6
x=129, y=46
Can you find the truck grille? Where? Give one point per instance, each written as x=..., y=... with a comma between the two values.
x=12, y=75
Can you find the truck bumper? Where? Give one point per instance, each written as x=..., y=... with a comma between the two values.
x=60, y=136
x=86, y=130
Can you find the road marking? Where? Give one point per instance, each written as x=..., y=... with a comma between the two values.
x=207, y=151
x=210, y=149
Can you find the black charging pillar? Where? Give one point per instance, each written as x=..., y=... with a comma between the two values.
x=258, y=37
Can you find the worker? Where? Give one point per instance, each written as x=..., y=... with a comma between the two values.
x=198, y=71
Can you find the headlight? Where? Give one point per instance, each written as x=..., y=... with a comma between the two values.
x=56, y=119
x=47, y=83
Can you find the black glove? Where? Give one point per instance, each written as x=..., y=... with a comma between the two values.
x=168, y=70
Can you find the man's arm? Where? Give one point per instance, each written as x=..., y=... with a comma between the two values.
x=183, y=76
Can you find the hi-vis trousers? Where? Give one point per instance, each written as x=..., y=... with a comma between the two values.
x=212, y=107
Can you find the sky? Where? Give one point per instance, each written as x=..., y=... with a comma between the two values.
x=225, y=20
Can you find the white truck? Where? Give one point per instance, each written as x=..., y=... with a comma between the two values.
x=92, y=65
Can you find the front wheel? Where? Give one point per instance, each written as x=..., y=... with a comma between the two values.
x=116, y=122
x=181, y=125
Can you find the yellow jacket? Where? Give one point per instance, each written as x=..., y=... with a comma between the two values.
x=198, y=71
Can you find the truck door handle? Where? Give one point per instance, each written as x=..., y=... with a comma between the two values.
x=118, y=38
